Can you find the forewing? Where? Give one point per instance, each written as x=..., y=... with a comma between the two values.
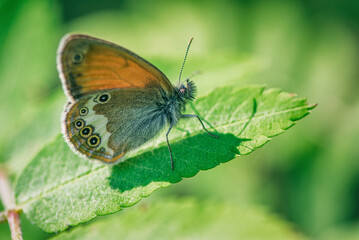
x=88, y=64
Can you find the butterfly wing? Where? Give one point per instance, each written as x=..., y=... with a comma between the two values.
x=114, y=97
x=108, y=124
x=87, y=64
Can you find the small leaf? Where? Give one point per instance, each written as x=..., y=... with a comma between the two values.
x=187, y=219
x=58, y=189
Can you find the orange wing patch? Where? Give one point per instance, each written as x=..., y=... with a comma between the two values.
x=87, y=64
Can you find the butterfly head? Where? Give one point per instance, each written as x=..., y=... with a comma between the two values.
x=187, y=90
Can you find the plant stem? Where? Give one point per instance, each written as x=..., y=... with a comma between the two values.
x=11, y=213
x=13, y=219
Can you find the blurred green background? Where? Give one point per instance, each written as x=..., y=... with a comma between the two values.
x=309, y=176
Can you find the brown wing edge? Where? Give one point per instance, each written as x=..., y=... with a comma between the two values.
x=69, y=37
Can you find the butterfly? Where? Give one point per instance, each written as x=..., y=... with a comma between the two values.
x=117, y=100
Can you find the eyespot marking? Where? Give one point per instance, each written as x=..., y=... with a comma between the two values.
x=94, y=141
x=77, y=57
x=79, y=123
x=84, y=111
x=103, y=98
x=86, y=131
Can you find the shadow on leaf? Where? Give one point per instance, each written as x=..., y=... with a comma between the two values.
x=200, y=152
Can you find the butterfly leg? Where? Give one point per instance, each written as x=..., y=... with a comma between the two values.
x=169, y=147
x=190, y=115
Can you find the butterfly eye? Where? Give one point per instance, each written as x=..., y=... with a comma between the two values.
x=86, y=131
x=77, y=57
x=79, y=123
x=103, y=98
x=84, y=111
x=94, y=141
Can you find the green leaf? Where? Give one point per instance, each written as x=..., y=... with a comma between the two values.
x=27, y=71
x=186, y=219
x=58, y=189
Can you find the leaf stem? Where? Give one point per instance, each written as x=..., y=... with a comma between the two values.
x=11, y=213
x=13, y=219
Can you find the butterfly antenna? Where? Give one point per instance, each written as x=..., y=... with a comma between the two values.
x=184, y=60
